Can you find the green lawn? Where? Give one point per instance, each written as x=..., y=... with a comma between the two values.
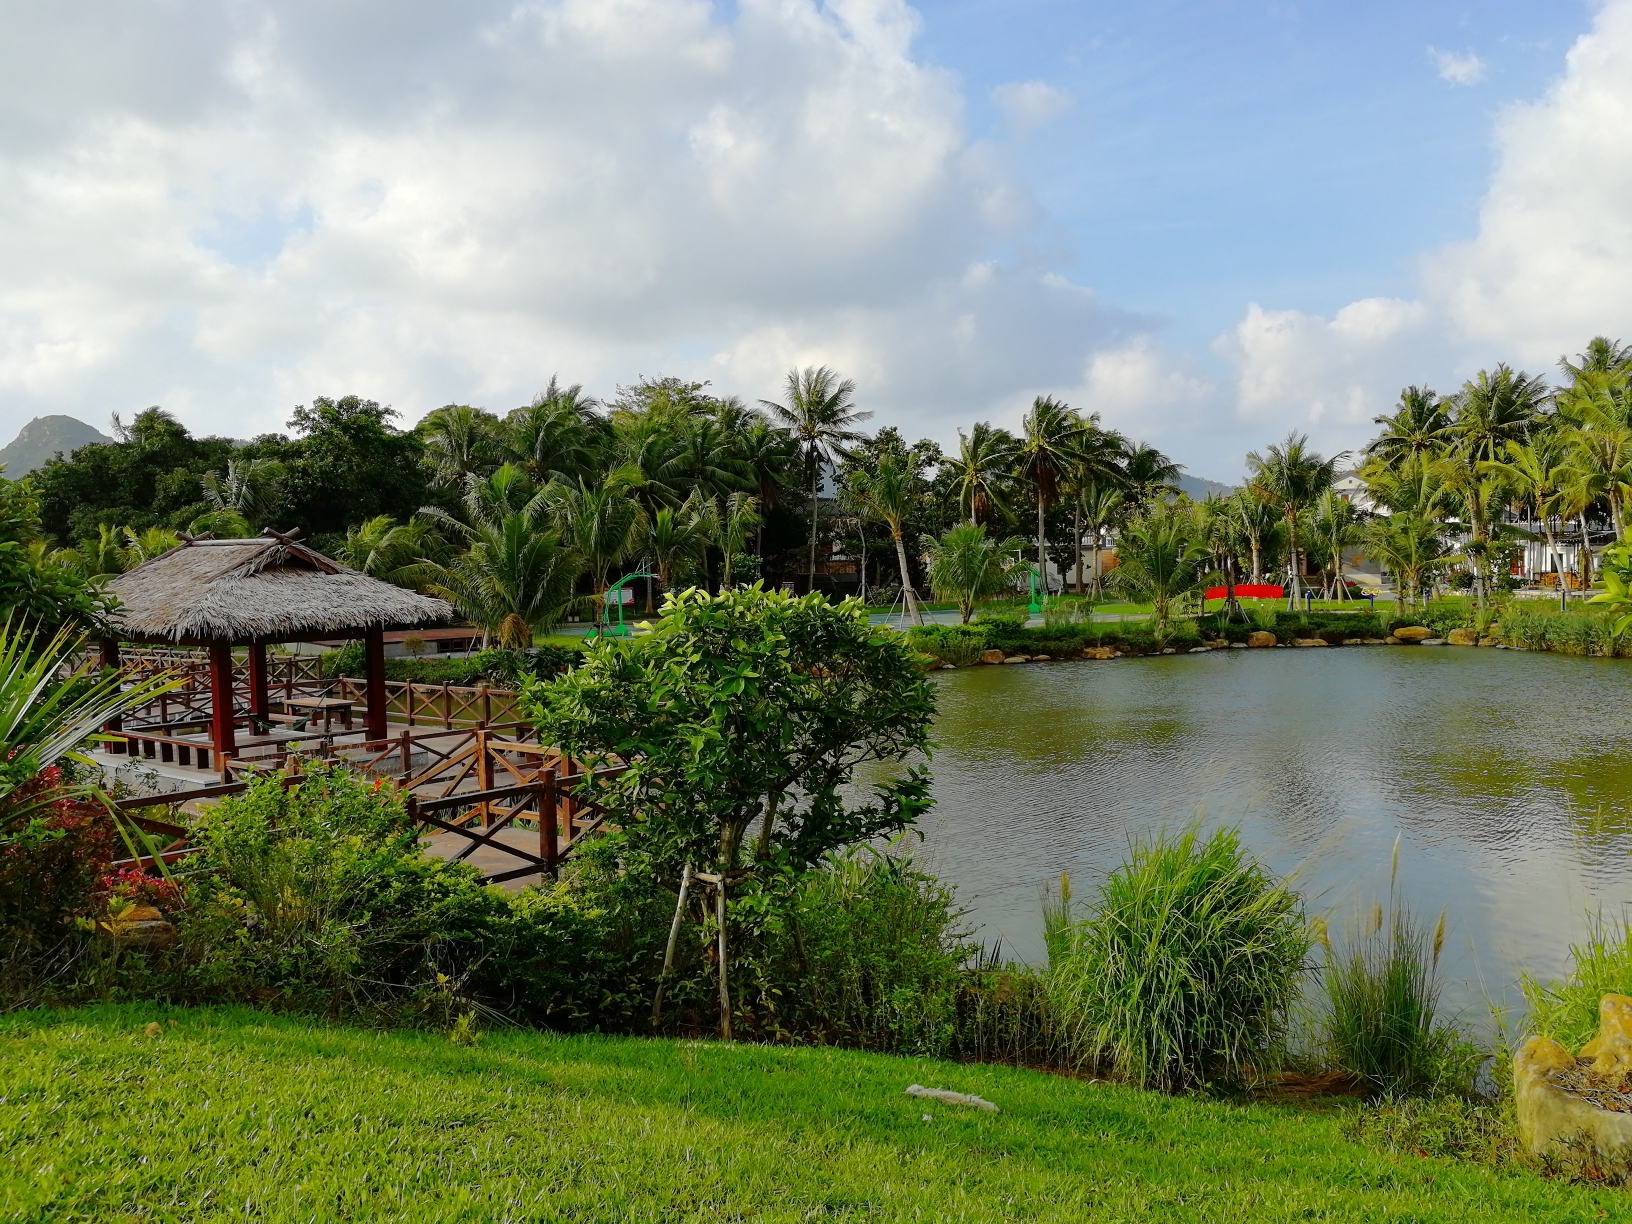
x=235, y=1114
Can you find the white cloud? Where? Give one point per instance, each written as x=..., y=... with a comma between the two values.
x=1030, y=104
x=1463, y=68
x=1550, y=267
x=230, y=209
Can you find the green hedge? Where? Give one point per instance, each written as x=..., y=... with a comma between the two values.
x=501, y=668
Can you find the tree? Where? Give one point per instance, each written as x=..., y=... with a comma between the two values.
x=460, y=441
x=737, y=515
x=1419, y=426
x=1048, y=442
x=821, y=414
x=249, y=489
x=1256, y=517
x=515, y=578
x=1491, y=410
x=557, y=436
x=601, y=523
x=674, y=537
x=1336, y=526
x=1410, y=545
x=1102, y=505
x=1160, y=557
x=1538, y=476
x=886, y=495
x=746, y=708
x=398, y=553
x=966, y=566
x=1147, y=474
x=1291, y=477
x=984, y=471
x=350, y=464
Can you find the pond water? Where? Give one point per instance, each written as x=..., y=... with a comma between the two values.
x=1507, y=777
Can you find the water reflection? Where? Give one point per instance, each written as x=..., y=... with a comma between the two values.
x=1504, y=774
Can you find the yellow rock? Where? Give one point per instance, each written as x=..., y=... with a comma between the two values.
x=1099, y=652
x=1309, y=641
x=1611, y=1050
x=1260, y=637
x=991, y=656
x=1462, y=637
x=1413, y=633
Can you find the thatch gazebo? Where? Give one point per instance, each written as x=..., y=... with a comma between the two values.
x=219, y=594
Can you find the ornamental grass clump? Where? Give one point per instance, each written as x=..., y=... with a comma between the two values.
x=1185, y=968
x=1381, y=1022
x=1567, y=1010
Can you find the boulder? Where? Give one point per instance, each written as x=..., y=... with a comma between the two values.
x=1238, y=645
x=1413, y=633
x=991, y=656
x=1041, y=658
x=142, y=926
x=1391, y=640
x=1356, y=641
x=1462, y=637
x=1432, y=642
x=1309, y=642
x=1260, y=637
x=1382, y=641
x=1217, y=643
x=1100, y=652
x=1199, y=649
x=1018, y=659
x=1490, y=641
x=1171, y=650
x=1552, y=1119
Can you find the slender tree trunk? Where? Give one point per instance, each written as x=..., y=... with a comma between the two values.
x=1292, y=549
x=1097, y=589
x=861, y=530
x=1257, y=558
x=1042, y=548
x=906, y=578
x=1586, y=556
x=815, y=478
x=1076, y=536
x=725, y=985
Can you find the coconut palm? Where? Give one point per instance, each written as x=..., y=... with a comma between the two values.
x=1603, y=356
x=1147, y=475
x=737, y=515
x=1538, y=476
x=600, y=523
x=398, y=553
x=886, y=495
x=1292, y=478
x=460, y=441
x=248, y=488
x=1102, y=505
x=1049, y=440
x=147, y=544
x=1410, y=545
x=983, y=471
x=1256, y=517
x=515, y=578
x=1161, y=558
x=709, y=458
x=1419, y=426
x=675, y=536
x=1336, y=525
x=821, y=414
x=557, y=436
x=965, y=565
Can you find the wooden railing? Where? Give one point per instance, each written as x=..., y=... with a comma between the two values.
x=474, y=786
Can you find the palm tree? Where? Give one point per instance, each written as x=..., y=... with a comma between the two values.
x=1411, y=546
x=1292, y=478
x=675, y=536
x=1336, y=526
x=381, y=547
x=1539, y=478
x=1491, y=410
x=887, y=495
x=1147, y=474
x=983, y=470
x=768, y=453
x=1420, y=425
x=1256, y=517
x=1098, y=462
x=249, y=489
x=1603, y=356
x=515, y=579
x=555, y=437
x=738, y=514
x=144, y=546
x=820, y=412
x=460, y=441
x=966, y=566
x=601, y=523
x=1102, y=505
x=1160, y=558
x=709, y=458
x=1050, y=434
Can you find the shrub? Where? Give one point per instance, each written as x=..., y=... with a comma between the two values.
x=49, y=868
x=956, y=644
x=1186, y=966
x=501, y=668
x=1382, y=995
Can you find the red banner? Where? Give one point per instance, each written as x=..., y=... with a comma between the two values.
x=1247, y=590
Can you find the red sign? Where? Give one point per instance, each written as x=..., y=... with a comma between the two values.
x=1247, y=590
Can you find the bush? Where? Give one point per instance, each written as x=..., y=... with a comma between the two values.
x=1186, y=966
x=50, y=868
x=1382, y=996
x=1567, y=1010
x=500, y=668
x=959, y=645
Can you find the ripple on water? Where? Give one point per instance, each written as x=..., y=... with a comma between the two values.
x=1504, y=774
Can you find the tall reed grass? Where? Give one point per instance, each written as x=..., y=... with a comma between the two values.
x=1184, y=969
x=1567, y=1010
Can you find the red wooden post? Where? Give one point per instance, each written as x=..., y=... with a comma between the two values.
x=222, y=720
x=259, y=705
x=110, y=660
x=374, y=653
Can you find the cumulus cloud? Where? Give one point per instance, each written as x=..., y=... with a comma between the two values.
x=1464, y=68
x=1549, y=268
x=1029, y=104
x=229, y=209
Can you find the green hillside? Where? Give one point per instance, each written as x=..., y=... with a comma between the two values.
x=42, y=438
x=240, y=1115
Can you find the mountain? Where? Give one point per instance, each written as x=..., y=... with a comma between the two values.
x=1197, y=489
x=42, y=438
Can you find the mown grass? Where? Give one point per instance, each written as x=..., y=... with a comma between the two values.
x=237, y=1114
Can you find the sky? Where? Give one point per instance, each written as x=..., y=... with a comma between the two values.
x=1211, y=223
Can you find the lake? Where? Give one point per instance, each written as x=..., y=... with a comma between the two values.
x=1506, y=776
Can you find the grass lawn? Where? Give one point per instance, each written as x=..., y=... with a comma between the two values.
x=236, y=1114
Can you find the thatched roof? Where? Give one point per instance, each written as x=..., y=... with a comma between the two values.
x=269, y=589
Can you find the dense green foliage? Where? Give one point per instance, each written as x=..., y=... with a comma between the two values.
x=1567, y=1010
x=500, y=668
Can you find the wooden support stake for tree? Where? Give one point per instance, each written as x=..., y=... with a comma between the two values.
x=674, y=938
x=725, y=988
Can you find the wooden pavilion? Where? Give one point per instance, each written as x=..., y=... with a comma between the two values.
x=221, y=594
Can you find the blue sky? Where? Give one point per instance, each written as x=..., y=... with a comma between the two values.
x=1211, y=223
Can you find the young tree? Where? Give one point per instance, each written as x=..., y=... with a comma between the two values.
x=887, y=496
x=821, y=414
x=984, y=471
x=746, y=708
x=966, y=566
x=600, y=523
x=1048, y=444
x=1161, y=558
x=1291, y=477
